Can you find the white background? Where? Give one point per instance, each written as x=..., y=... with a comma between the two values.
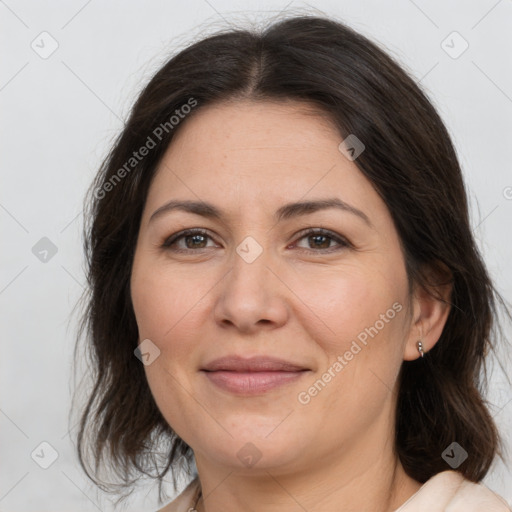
x=58, y=117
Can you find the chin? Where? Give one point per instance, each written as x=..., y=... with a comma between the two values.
x=255, y=448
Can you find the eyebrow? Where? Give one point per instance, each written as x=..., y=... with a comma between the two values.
x=283, y=213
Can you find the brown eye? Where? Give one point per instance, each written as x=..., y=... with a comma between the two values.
x=194, y=239
x=318, y=240
x=322, y=239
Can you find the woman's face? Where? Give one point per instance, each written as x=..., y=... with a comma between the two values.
x=255, y=283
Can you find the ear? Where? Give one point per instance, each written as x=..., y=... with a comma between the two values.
x=429, y=311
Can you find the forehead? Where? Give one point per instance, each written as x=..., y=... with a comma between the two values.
x=262, y=128
x=258, y=154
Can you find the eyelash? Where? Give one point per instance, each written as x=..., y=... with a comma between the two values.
x=343, y=243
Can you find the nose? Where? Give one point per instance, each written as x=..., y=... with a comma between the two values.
x=252, y=296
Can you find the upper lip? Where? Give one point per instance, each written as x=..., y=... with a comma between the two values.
x=252, y=364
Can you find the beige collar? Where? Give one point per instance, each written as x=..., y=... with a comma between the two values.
x=447, y=491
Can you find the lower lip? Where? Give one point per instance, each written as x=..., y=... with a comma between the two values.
x=251, y=383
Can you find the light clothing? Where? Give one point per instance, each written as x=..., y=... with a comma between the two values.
x=447, y=491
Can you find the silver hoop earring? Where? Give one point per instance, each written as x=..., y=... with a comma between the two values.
x=420, y=348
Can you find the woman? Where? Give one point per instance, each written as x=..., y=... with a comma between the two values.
x=285, y=289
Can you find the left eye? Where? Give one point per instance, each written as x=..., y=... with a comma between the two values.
x=321, y=239
x=197, y=239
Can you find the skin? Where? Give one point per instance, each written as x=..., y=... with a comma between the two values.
x=304, y=299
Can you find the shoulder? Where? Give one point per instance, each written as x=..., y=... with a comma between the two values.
x=449, y=491
x=472, y=496
x=185, y=501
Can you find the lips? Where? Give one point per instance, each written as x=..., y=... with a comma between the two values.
x=252, y=376
x=253, y=364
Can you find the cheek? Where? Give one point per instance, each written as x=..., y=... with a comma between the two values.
x=365, y=313
x=164, y=316
x=170, y=309
x=370, y=336
x=354, y=303
x=159, y=300
x=169, y=390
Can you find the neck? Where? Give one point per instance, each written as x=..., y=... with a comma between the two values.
x=362, y=479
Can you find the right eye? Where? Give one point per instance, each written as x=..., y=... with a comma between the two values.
x=194, y=239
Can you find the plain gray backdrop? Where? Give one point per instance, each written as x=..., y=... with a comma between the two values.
x=69, y=74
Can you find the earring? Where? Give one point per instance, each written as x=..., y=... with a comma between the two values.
x=420, y=348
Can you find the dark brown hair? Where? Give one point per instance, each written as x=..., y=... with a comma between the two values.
x=410, y=161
